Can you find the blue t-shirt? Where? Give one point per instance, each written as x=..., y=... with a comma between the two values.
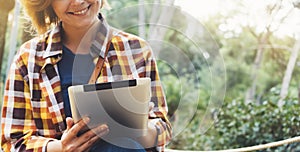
x=74, y=69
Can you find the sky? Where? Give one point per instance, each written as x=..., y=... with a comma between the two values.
x=254, y=9
x=199, y=8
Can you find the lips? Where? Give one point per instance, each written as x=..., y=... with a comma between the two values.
x=80, y=11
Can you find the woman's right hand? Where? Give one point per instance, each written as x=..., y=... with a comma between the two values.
x=71, y=142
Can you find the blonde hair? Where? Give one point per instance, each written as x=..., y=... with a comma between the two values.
x=42, y=15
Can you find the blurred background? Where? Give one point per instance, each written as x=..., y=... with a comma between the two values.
x=230, y=69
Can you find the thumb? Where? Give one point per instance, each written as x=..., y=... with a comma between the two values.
x=69, y=122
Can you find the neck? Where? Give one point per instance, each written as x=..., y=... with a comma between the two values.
x=72, y=38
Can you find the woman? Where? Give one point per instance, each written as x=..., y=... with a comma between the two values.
x=36, y=113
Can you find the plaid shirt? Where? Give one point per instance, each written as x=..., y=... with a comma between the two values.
x=33, y=111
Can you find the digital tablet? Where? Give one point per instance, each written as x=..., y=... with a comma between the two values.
x=122, y=105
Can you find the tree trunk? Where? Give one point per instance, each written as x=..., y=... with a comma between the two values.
x=288, y=73
x=256, y=66
x=4, y=11
x=154, y=15
x=158, y=28
x=142, y=19
x=13, y=35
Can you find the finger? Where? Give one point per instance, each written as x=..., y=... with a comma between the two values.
x=69, y=122
x=92, y=139
x=89, y=137
x=101, y=130
x=97, y=131
x=66, y=138
x=78, y=126
x=86, y=146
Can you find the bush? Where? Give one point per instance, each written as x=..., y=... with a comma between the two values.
x=240, y=125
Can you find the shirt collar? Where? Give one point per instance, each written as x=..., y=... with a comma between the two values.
x=100, y=39
x=53, y=43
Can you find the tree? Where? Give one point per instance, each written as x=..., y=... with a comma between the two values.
x=263, y=39
x=142, y=31
x=5, y=8
x=157, y=28
x=289, y=71
x=293, y=51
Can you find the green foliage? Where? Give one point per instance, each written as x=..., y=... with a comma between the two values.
x=241, y=125
x=173, y=92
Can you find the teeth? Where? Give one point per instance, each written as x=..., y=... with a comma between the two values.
x=80, y=12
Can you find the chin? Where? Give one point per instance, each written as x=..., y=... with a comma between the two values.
x=84, y=24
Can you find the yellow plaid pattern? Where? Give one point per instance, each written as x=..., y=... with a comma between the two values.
x=33, y=112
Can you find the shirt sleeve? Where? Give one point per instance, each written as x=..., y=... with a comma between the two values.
x=19, y=131
x=158, y=115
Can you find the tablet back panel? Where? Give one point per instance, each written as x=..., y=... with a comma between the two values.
x=122, y=105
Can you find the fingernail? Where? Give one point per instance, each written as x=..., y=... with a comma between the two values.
x=86, y=119
x=106, y=131
x=104, y=126
x=103, y=133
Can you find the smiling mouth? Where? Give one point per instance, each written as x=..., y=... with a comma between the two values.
x=80, y=12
